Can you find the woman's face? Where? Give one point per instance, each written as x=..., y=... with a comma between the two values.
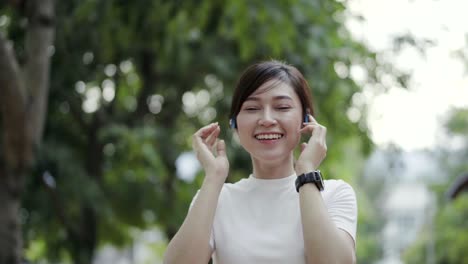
x=269, y=121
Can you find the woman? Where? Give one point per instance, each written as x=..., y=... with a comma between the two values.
x=283, y=212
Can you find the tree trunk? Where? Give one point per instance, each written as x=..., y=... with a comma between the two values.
x=10, y=238
x=23, y=101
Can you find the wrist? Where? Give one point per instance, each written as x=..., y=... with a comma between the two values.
x=305, y=168
x=214, y=181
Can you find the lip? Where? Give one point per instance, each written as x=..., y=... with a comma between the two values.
x=266, y=140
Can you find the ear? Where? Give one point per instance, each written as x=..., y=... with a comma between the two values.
x=232, y=123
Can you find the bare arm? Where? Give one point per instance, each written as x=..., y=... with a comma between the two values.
x=324, y=242
x=191, y=243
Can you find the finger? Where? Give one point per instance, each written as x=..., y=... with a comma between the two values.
x=313, y=131
x=323, y=135
x=221, y=148
x=211, y=139
x=320, y=133
x=200, y=136
x=320, y=136
x=308, y=128
x=197, y=143
x=303, y=146
x=206, y=130
x=312, y=119
x=199, y=147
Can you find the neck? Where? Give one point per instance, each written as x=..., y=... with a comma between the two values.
x=273, y=169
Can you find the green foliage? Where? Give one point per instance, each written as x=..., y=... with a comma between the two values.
x=369, y=249
x=113, y=159
x=450, y=235
x=457, y=123
x=453, y=231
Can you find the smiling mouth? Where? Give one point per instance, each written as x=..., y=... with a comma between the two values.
x=268, y=136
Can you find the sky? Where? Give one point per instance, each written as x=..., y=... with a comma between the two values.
x=413, y=118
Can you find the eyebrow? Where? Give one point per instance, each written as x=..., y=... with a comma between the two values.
x=275, y=98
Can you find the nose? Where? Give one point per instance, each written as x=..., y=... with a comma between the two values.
x=267, y=119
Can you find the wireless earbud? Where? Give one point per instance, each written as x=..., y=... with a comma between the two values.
x=232, y=123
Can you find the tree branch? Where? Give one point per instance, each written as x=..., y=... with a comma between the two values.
x=12, y=107
x=149, y=79
x=10, y=75
x=39, y=41
x=15, y=152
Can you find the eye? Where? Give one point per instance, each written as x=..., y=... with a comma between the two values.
x=283, y=107
x=251, y=108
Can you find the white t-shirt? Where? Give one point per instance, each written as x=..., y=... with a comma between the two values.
x=258, y=221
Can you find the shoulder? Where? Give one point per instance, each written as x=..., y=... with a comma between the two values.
x=340, y=199
x=239, y=187
x=229, y=189
x=338, y=190
x=337, y=185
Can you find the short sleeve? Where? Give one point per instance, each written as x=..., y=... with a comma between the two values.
x=342, y=208
x=212, y=244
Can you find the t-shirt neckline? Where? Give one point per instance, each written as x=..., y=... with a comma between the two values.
x=272, y=182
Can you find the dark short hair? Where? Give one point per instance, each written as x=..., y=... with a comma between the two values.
x=258, y=74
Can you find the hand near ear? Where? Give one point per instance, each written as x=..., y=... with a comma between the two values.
x=314, y=151
x=211, y=152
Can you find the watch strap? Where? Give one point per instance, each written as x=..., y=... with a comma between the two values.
x=310, y=177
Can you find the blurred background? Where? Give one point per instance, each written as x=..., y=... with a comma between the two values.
x=99, y=100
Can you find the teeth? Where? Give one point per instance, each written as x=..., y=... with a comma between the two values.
x=269, y=136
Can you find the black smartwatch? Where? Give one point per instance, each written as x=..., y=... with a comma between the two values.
x=310, y=177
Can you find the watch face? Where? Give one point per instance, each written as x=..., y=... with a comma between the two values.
x=318, y=180
x=321, y=187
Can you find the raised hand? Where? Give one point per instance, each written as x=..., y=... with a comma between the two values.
x=314, y=151
x=211, y=152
